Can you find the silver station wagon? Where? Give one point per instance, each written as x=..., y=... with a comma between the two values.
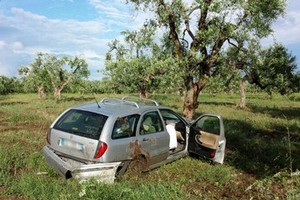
x=107, y=138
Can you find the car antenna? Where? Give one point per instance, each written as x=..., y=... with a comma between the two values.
x=96, y=101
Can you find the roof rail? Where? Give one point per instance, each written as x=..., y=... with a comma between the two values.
x=115, y=100
x=110, y=100
x=143, y=100
x=132, y=102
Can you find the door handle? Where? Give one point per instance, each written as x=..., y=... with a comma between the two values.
x=146, y=139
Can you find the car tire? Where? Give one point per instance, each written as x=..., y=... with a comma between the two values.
x=137, y=165
x=122, y=169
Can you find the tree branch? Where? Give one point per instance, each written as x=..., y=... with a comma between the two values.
x=187, y=22
x=202, y=26
x=239, y=47
x=217, y=47
x=172, y=26
x=204, y=12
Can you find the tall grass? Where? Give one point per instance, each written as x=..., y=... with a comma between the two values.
x=262, y=141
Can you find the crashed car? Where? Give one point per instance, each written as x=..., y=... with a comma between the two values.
x=105, y=139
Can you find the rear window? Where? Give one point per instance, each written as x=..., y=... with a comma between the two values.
x=82, y=123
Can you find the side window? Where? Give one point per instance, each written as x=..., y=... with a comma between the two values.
x=125, y=127
x=151, y=123
x=208, y=124
x=169, y=116
x=175, y=126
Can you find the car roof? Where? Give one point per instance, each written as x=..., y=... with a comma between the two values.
x=119, y=107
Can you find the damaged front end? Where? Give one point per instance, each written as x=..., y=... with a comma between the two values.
x=103, y=172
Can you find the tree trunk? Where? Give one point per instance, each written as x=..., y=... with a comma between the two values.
x=144, y=94
x=57, y=92
x=242, y=103
x=59, y=88
x=191, y=98
x=190, y=103
x=41, y=92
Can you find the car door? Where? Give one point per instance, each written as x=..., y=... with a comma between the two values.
x=176, y=127
x=153, y=138
x=207, y=138
x=123, y=134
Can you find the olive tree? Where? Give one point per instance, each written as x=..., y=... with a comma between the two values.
x=139, y=64
x=272, y=69
x=275, y=70
x=50, y=73
x=207, y=27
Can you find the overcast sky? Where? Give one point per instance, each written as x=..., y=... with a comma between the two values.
x=84, y=28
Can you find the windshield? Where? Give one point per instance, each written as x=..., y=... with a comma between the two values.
x=82, y=123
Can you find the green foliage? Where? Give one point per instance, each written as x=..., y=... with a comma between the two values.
x=261, y=15
x=275, y=71
x=294, y=97
x=271, y=70
x=142, y=67
x=10, y=85
x=131, y=75
x=226, y=79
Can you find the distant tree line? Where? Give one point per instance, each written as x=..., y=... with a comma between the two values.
x=11, y=85
x=277, y=79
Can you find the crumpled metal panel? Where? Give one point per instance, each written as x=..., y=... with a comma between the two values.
x=102, y=172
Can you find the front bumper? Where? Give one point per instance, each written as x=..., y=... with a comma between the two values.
x=104, y=172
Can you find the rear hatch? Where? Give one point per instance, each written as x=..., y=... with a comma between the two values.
x=76, y=133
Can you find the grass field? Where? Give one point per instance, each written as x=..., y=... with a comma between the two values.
x=262, y=156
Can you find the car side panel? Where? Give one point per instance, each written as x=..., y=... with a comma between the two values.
x=154, y=146
x=118, y=149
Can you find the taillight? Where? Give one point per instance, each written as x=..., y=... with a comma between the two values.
x=48, y=136
x=212, y=154
x=101, y=150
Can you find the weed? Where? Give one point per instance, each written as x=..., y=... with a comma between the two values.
x=126, y=190
x=42, y=187
x=217, y=175
x=294, y=97
x=262, y=140
x=12, y=162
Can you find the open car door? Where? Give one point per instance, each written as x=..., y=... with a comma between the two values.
x=207, y=138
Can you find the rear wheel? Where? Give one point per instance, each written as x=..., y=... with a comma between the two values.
x=122, y=169
x=137, y=165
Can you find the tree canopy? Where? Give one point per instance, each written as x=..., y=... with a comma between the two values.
x=139, y=64
x=48, y=73
x=204, y=28
x=275, y=70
